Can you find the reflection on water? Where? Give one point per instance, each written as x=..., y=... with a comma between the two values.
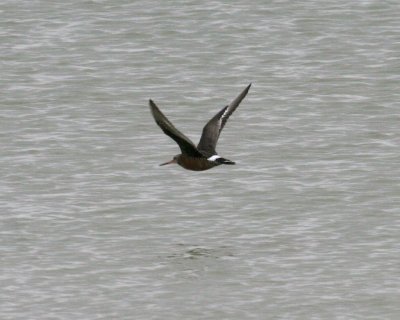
x=193, y=252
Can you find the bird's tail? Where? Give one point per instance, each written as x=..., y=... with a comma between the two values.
x=224, y=161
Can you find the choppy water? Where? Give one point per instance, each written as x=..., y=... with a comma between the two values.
x=305, y=226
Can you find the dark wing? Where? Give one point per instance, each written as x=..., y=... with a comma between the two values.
x=213, y=128
x=187, y=147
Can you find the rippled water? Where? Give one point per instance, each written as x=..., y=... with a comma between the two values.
x=305, y=226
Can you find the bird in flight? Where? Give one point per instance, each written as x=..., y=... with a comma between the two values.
x=204, y=156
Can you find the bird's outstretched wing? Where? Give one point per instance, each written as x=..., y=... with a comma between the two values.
x=187, y=147
x=213, y=128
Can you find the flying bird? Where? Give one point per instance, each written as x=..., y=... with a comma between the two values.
x=204, y=156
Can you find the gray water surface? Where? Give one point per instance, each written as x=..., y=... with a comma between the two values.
x=305, y=226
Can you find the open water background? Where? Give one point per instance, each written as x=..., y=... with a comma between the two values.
x=305, y=226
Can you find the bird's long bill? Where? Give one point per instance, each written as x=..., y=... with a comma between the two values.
x=168, y=162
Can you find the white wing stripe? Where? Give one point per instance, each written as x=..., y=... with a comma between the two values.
x=214, y=157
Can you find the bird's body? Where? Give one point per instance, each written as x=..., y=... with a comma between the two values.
x=204, y=156
x=195, y=164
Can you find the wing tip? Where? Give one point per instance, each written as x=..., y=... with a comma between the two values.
x=248, y=87
x=153, y=108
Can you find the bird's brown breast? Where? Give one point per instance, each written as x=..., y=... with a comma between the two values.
x=195, y=164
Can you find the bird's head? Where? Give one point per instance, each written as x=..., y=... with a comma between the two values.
x=174, y=160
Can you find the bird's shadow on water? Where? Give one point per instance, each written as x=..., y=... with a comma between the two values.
x=195, y=252
x=194, y=262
